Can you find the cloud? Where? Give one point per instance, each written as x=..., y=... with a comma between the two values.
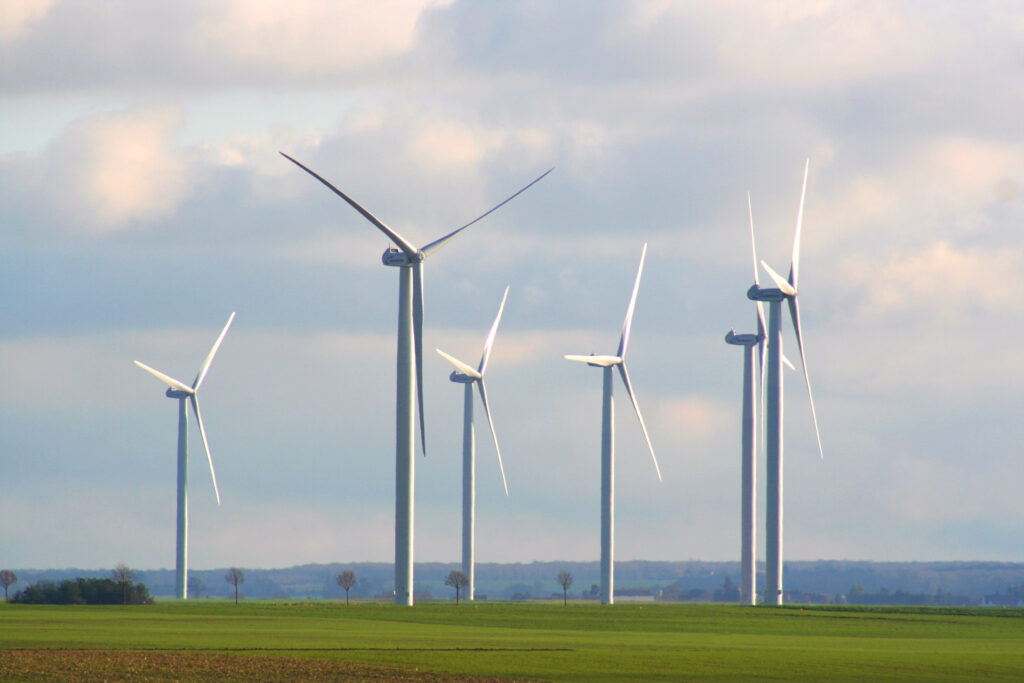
x=942, y=279
x=114, y=171
x=18, y=16
x=936, y=183
x=304, y=39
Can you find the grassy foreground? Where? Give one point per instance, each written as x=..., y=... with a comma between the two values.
x=487, y=641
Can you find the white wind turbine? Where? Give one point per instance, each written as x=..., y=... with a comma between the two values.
x=183, y=392
x=465, y=374
x=785, y=290
x=748, y=440
x=608, y=440
x=409, y=261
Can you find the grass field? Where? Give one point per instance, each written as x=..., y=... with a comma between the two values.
x=488, y=641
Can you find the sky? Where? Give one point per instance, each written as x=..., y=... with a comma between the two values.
x=143, y=199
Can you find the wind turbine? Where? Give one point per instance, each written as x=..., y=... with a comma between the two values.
x=409, y=261
x=183, y=393
x=748, y=439
x=465, y=374
x=785, y=290
x=608, y=440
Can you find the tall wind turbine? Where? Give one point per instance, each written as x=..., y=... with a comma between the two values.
x=183, y=393
x=785, y=290
x=748, y=439
x=465, y=374
x=409, y=261
x=608, y=440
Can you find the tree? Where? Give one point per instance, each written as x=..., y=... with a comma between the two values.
x=7, y=578
x=346, y=580
x=456, y=580
x=235, y=577
x=565, y=580
x=123, y=575
x=196, y=586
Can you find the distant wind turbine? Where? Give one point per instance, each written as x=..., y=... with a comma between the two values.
x=409, y=261
x=748, y=440
x=465, y=374
x=183, y=392
x=608, y=440
x=785, y=290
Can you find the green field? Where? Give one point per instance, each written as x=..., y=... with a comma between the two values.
x=539, y=641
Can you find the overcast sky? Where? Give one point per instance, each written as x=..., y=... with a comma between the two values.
x=142, y=199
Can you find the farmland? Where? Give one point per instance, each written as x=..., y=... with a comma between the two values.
x=324, y=640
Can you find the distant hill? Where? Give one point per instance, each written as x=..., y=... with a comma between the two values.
x=810, y=581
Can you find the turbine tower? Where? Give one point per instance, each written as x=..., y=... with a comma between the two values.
x=785, y=290
x=183, y=393
x=409, y=261
x=465, y=374
x=608, y=440
x=748, y=440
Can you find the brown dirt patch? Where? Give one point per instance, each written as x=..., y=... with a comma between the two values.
x=110, y=665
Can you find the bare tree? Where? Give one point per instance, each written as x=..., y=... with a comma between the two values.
x=235, y=577
x=122, y=573
x=7, y=577
x=565, y=580
x=346, y=580
x=456, y=580
x=196, y=586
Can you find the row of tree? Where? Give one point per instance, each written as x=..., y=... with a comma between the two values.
x=120, y=588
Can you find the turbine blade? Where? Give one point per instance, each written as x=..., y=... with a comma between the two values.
x=201, y=375
x=486, y=356
x=762, y=328
x=763, y=346
x=753, y=246
x=602, y=361
x=784, y=286
x=175, y=384
x=636, y=407
x=788, y=363
x=437, y=244
x=794, y=264
x=206, y=445
x=501, y=466
x=417, y=333
x=794, y=312
x=628, y=323
x=403, y=243
x=459, y=365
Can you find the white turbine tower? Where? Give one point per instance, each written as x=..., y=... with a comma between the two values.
x=409, y=261
x=608, y=440
x=785, y=290
x=465, y=374
x=748, y=440
x=183, y=392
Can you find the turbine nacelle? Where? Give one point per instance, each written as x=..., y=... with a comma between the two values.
x=177, y=393
x=399, y=259
x=758, y=293
x=743, y=339
x=461, y=377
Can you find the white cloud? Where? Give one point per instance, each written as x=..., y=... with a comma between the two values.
x=939, y=183
x=305, y=38
x=115, y=170
x=940, y=278
x=18, y=16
